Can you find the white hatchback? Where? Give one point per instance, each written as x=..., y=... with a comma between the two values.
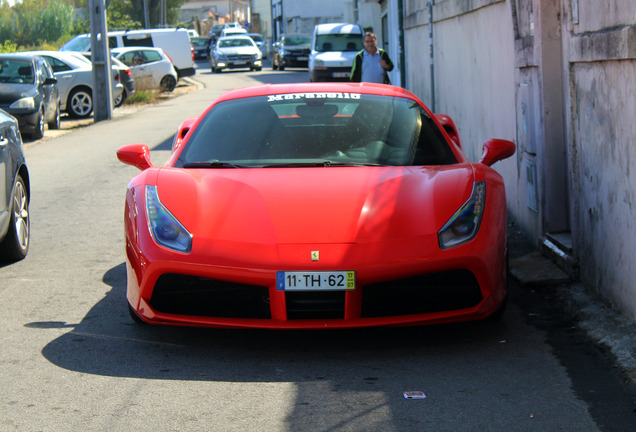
x=151, y=68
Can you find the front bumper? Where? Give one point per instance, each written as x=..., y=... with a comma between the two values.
x=413, y=292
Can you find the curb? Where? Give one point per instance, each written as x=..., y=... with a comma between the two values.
x=589, y=311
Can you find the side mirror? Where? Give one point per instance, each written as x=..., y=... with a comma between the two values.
x=137, y=155
x=184, y=128
x=496, y=150
x=450, y=127
x=49, y=81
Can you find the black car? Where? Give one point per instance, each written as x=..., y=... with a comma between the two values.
x=14, y=205
x=28, y=91
x=200, y=47
x=291, y=50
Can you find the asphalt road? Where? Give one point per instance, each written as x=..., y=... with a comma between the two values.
x=71, y=358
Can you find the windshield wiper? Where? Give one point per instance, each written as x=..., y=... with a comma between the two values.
x=299, y=164
x=215, y=164
x=325, y=163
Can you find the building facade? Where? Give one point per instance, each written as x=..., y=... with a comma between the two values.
x=558, y=77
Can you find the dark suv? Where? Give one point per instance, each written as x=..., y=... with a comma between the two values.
x=28, y=91
x=291, y=50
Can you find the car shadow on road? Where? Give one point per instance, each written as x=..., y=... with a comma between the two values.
x=336, y=379
x=107, y=342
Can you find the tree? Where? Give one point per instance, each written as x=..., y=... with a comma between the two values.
x=33, y=22
x=154, y=11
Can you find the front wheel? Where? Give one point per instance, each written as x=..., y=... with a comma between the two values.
x=38, y=132
x=55, y=123
x=168, y=83
x=80, y=103
x=119, y=100
x=15, y=245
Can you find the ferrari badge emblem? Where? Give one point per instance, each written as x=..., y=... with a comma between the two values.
x=315, y=255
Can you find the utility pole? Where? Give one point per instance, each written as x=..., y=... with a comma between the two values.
x=100, y=54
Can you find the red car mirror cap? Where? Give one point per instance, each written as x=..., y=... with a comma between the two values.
x=137, y=155
x=495, y=150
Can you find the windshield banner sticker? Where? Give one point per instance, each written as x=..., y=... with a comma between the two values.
x=329, y=95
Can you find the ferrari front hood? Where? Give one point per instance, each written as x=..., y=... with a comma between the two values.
x=314, y=205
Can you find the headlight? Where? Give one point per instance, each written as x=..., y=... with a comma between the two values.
x=165, y=229
x=464, y=224
x=319, y=63
x=24, y=103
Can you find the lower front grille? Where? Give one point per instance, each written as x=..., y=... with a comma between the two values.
x=439, y=292
x=192, y=295
x=315, y=305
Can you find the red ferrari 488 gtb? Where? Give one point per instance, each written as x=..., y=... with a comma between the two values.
x=314, y=205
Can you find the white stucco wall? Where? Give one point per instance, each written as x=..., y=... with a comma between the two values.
x=604, y=164
x=474, y=76
x=600, y=45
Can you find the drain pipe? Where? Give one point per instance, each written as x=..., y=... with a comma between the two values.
x=430, y=46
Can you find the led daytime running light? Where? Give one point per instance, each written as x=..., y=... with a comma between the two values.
x=165, y=229
x=464, y=224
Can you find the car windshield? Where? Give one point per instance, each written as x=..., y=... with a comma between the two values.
x=16, y=71
x=316, y=129
x=238, y=42
x=338, y=42
x=199, y=41
x=296, y=40
x=78, y=43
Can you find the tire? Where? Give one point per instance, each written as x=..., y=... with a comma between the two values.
x=55, y=123
x=281, y=67
x=80, y=103
x=38, y=132
x=258, y=69
x=168, y=83
x=15, y=245
x=119, y=101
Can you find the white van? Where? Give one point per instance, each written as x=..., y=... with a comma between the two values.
x=333, y=47
x=174, y=42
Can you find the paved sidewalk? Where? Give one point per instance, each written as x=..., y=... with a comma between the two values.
x=589, y=311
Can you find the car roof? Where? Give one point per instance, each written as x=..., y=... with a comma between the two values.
x=134, y=48
x=236, y=36
x=24, y=56
x=66, y=56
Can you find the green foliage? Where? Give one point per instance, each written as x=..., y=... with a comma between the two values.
x=154, y=12
x=119, y=16
x=34, y=22
x=141, y=97
x=8, y=47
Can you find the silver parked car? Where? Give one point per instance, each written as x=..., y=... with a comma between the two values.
x=14, y=193
x=234, y=52
x=74, y=75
